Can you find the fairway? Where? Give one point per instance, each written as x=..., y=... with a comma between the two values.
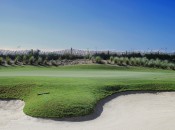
x=72, y=91
x=77, y=73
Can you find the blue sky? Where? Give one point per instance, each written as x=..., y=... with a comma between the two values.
x=82, y=24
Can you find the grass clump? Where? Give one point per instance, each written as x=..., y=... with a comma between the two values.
x=144, y=62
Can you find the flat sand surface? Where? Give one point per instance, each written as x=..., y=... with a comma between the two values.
x=144, y=111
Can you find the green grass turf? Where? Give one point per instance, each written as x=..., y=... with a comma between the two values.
x=71, y=91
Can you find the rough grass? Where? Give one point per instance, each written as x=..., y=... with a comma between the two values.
x=74, y=90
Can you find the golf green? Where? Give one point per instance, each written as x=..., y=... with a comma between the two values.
x=71, y=91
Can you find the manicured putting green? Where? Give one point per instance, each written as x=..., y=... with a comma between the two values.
x=70, y=91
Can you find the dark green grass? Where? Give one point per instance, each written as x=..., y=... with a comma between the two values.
x=74, y=90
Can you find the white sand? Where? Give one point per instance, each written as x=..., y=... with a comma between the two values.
x=128, y=112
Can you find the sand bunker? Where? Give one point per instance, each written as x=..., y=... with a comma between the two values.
x=127, y=112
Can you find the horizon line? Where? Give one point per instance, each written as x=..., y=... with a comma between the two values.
x=113, y=50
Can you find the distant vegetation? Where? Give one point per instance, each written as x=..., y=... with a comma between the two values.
x=143, y=61
x=36, y=57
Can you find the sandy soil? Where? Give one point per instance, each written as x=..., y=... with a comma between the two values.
x=143, y=111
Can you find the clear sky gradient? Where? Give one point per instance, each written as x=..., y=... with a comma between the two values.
x=82, y=24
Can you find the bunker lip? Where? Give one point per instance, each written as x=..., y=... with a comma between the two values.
x=99, y=106
x=129, y=110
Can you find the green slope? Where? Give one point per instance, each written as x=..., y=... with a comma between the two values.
x=74, y=90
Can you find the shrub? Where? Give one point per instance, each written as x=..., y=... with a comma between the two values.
x=174, y=67
x=8, y=60
x=157, y=63
x=121, y=61
x=40, y=61
x=88, y=56
x=98, y=59
x=31, y=60
x=16, y=60
x=126, y=60
x=144, y=61
x=132, y=61
x=116, y=60
x=151, y=63
x=138, y=61
x=93, y=59
x=111, y=59
x=53, y=62
x=163, y=65
x=24, y=59
x=45, y=62
x=1, y=60
x=171, y=66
